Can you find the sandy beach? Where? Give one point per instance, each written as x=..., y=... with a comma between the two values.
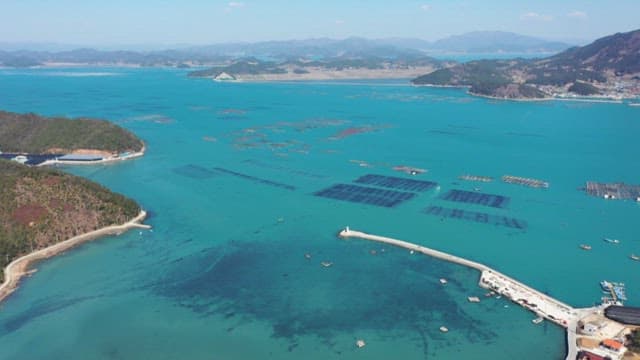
x=20, y=266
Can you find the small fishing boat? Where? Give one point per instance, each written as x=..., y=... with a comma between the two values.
x=611, y=241
x=326, y=263
x=307, y=256
x=443, y=281
x=473, y=299
x=444, y=329
x=585, y=247
x=360, y=343
x=538, y=320
x=634, y=257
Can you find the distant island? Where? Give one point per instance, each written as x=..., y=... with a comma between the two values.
x=253, y=69
x=44, y=211
x=608, y=68
x=81, y=139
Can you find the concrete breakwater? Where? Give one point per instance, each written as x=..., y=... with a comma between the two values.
x=531, y=299
x=541, y=304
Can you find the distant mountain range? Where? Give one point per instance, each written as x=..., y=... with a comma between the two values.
x=310, y=49
x=609, y=67
x=483, y=42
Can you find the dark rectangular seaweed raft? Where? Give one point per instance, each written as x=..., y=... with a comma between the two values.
x=194, y=171
x=473, y=197
x=365, y=195
x=475, y=216
x=255, y=179
x=396, y=182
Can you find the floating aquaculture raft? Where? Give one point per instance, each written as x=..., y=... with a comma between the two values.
x=255, y=179
x=535, y=183
x=396, y=182
x=365, y=195
x=475, y=216
x=478, y=198
x=613, y=190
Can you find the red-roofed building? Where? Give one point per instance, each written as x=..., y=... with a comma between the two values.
x=612, y=344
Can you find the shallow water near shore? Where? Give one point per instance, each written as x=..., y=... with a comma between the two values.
x=229, y=180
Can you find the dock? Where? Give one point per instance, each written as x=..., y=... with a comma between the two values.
x=543, y=305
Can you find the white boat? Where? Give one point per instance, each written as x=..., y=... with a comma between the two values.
x=444, y=329
x=443, y=281
x=634, y=257
x=473, y=299
x=360, y=343
x=585, y=247
x=611, y=241
x=538, y=320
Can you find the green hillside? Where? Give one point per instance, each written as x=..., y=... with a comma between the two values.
x=31, y=133
x=40, y=207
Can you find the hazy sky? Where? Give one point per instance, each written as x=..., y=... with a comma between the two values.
x=111, y=22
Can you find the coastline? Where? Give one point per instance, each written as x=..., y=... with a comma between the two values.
x=315, y=74
x=107, y=160
x=18, y=268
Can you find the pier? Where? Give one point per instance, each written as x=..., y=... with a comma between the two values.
x=531, y=299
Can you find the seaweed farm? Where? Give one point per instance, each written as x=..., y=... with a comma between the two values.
x=534, y=183
x=478, y=198
x=475, y=178
x=475, y=216
x=194, y=171
x=396, y=182
x=613, y=190
x=365, y=195
x=255, y=179
x=283, y=168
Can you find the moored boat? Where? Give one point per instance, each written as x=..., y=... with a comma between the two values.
x=585, y=247
x=538, y=320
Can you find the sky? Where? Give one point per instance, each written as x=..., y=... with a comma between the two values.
x=194, y=22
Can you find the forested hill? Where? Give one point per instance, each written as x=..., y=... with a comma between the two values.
x=31, y=133
x=40, y=207
x=609, y=66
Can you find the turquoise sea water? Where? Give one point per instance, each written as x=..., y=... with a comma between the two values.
x=223, y=273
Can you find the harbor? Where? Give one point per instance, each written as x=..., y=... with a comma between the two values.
x=580, y=323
